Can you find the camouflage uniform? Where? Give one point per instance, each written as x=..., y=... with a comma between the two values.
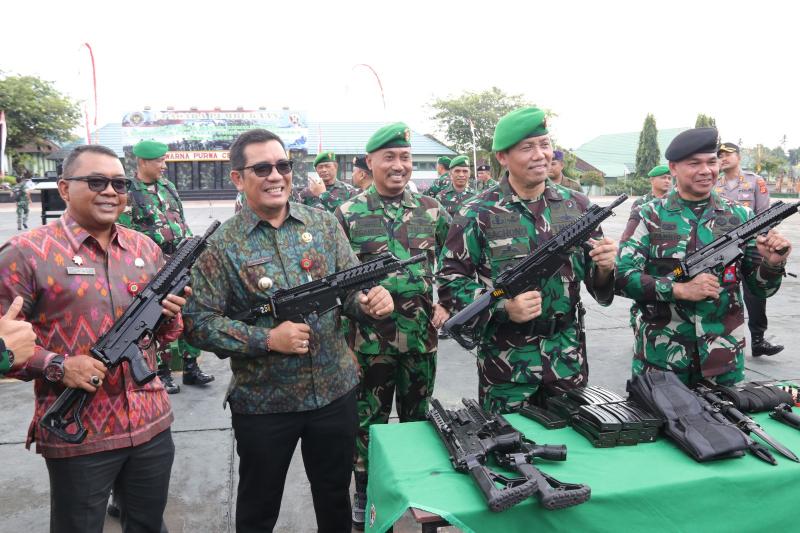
x=570, y=184
x=492, y=232
x=452, y=200
x=481, y=186
x=400, y=352
x=23, y=204
x=155, y=209
x=630, y=227
x=333, y=196
x=439, y=183
x=694, y=339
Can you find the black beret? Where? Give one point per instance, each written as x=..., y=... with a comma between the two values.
x=694, y=141
x=360, y=161
x=484, y=167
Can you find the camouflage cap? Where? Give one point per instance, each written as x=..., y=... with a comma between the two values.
x=444, y=160
x=360, y=161
x=150, y=149
x=390, y=136
x=693, y=141
x=518, y=125
x=459, y=161
x=325, y=157
x=657, y=171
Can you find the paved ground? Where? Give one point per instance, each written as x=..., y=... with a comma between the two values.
x=204, y=477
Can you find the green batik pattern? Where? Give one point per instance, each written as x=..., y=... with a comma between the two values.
x=158, y=213
x=673, y=335
x=495, y=230
x=413, y=225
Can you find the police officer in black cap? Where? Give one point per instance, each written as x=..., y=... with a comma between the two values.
x=484, y=179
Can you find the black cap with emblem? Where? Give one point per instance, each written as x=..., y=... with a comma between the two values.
x=694, y=141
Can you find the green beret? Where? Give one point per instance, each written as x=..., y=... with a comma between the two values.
x=657, y=171
x=390, y=136
x=444, y=160
x=150, y=149
x=459, y=161
x=325, y=157
x=690, y=142
x=518, y=125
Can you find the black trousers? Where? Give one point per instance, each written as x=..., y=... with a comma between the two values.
x=756, y=313
x=265, y=444
x=79, y=487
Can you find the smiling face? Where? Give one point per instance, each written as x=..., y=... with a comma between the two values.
x=391, y=169
x=94, y=211
x=528, y=164
x=268, y=196
x=695, y=176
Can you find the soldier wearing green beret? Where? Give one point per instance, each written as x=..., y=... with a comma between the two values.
x=155, y=209
x=398, y=354
x=328, y=192
x=484, y=180
x=458, y=191
x=660, y=185
x=534, y=344
x=442, y=167
x=694, y=328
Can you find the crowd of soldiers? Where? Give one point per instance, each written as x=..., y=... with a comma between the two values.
x=325, y=382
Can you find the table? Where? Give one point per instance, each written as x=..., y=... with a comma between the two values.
x=647, y=487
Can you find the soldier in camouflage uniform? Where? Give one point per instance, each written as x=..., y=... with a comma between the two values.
x=556, y=173
x=660, y=184
x=399, y=353
x=334, y=193
x=533, y=344
x=751, y=191
x=442, y=164
x=458, y=191
x=155, y=209
x=693, y=328
x=23, y=199
x=484, y=180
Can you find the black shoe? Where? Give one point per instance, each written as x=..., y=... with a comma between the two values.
x=25, y=225
x=165, y=374
x=444, y=335
x=360, y=501
x=113, y=508
x=764, y=347
x=192, y=375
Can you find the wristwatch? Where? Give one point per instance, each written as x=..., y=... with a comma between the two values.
x=54, y=371
x=6, y=353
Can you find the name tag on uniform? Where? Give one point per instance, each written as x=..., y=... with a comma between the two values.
x=80, y=271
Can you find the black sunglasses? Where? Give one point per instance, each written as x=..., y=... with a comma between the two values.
x=262, y=170
x=100, y=183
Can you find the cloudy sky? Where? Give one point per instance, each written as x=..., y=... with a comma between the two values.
x=600, y=66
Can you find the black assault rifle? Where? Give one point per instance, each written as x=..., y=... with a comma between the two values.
x=325, y=294
x=472, y=436
x=131, y=332
x=726, y=249
x=528, y=274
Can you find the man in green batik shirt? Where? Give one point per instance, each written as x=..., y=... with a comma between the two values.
x=332, y=192
x=155, y=209
x=532, y=345
x=458, y=191
x=399, y=353
x=484, y=180
x=694, y=328
x=442, y=165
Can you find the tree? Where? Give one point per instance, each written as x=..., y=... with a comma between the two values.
x=705, y=121
x=35, y=111
x=484, y=109
x=648, y=154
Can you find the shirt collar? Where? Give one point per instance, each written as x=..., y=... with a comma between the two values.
x=375, y=200
x=508, y=195
x=76, y=235
x=674, y=201
x=251, y=220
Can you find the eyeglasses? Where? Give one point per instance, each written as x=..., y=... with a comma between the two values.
x=100, y=183
x=262, y=170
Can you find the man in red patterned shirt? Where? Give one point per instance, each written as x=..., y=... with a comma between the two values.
x=77, y=275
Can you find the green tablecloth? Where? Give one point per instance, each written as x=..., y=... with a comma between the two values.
x=648, y=487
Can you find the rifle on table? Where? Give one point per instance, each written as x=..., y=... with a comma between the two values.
x=528, y=274
x=726, y=249
x=472, y=436
x=746, y=424
x=129, y=335
x=325, y=294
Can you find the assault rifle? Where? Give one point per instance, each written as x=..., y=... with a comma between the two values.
x=325, y=294
x=742, y=421
x=528, y=274
x=128, y=336
x=472, y=436
x=726, y=249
